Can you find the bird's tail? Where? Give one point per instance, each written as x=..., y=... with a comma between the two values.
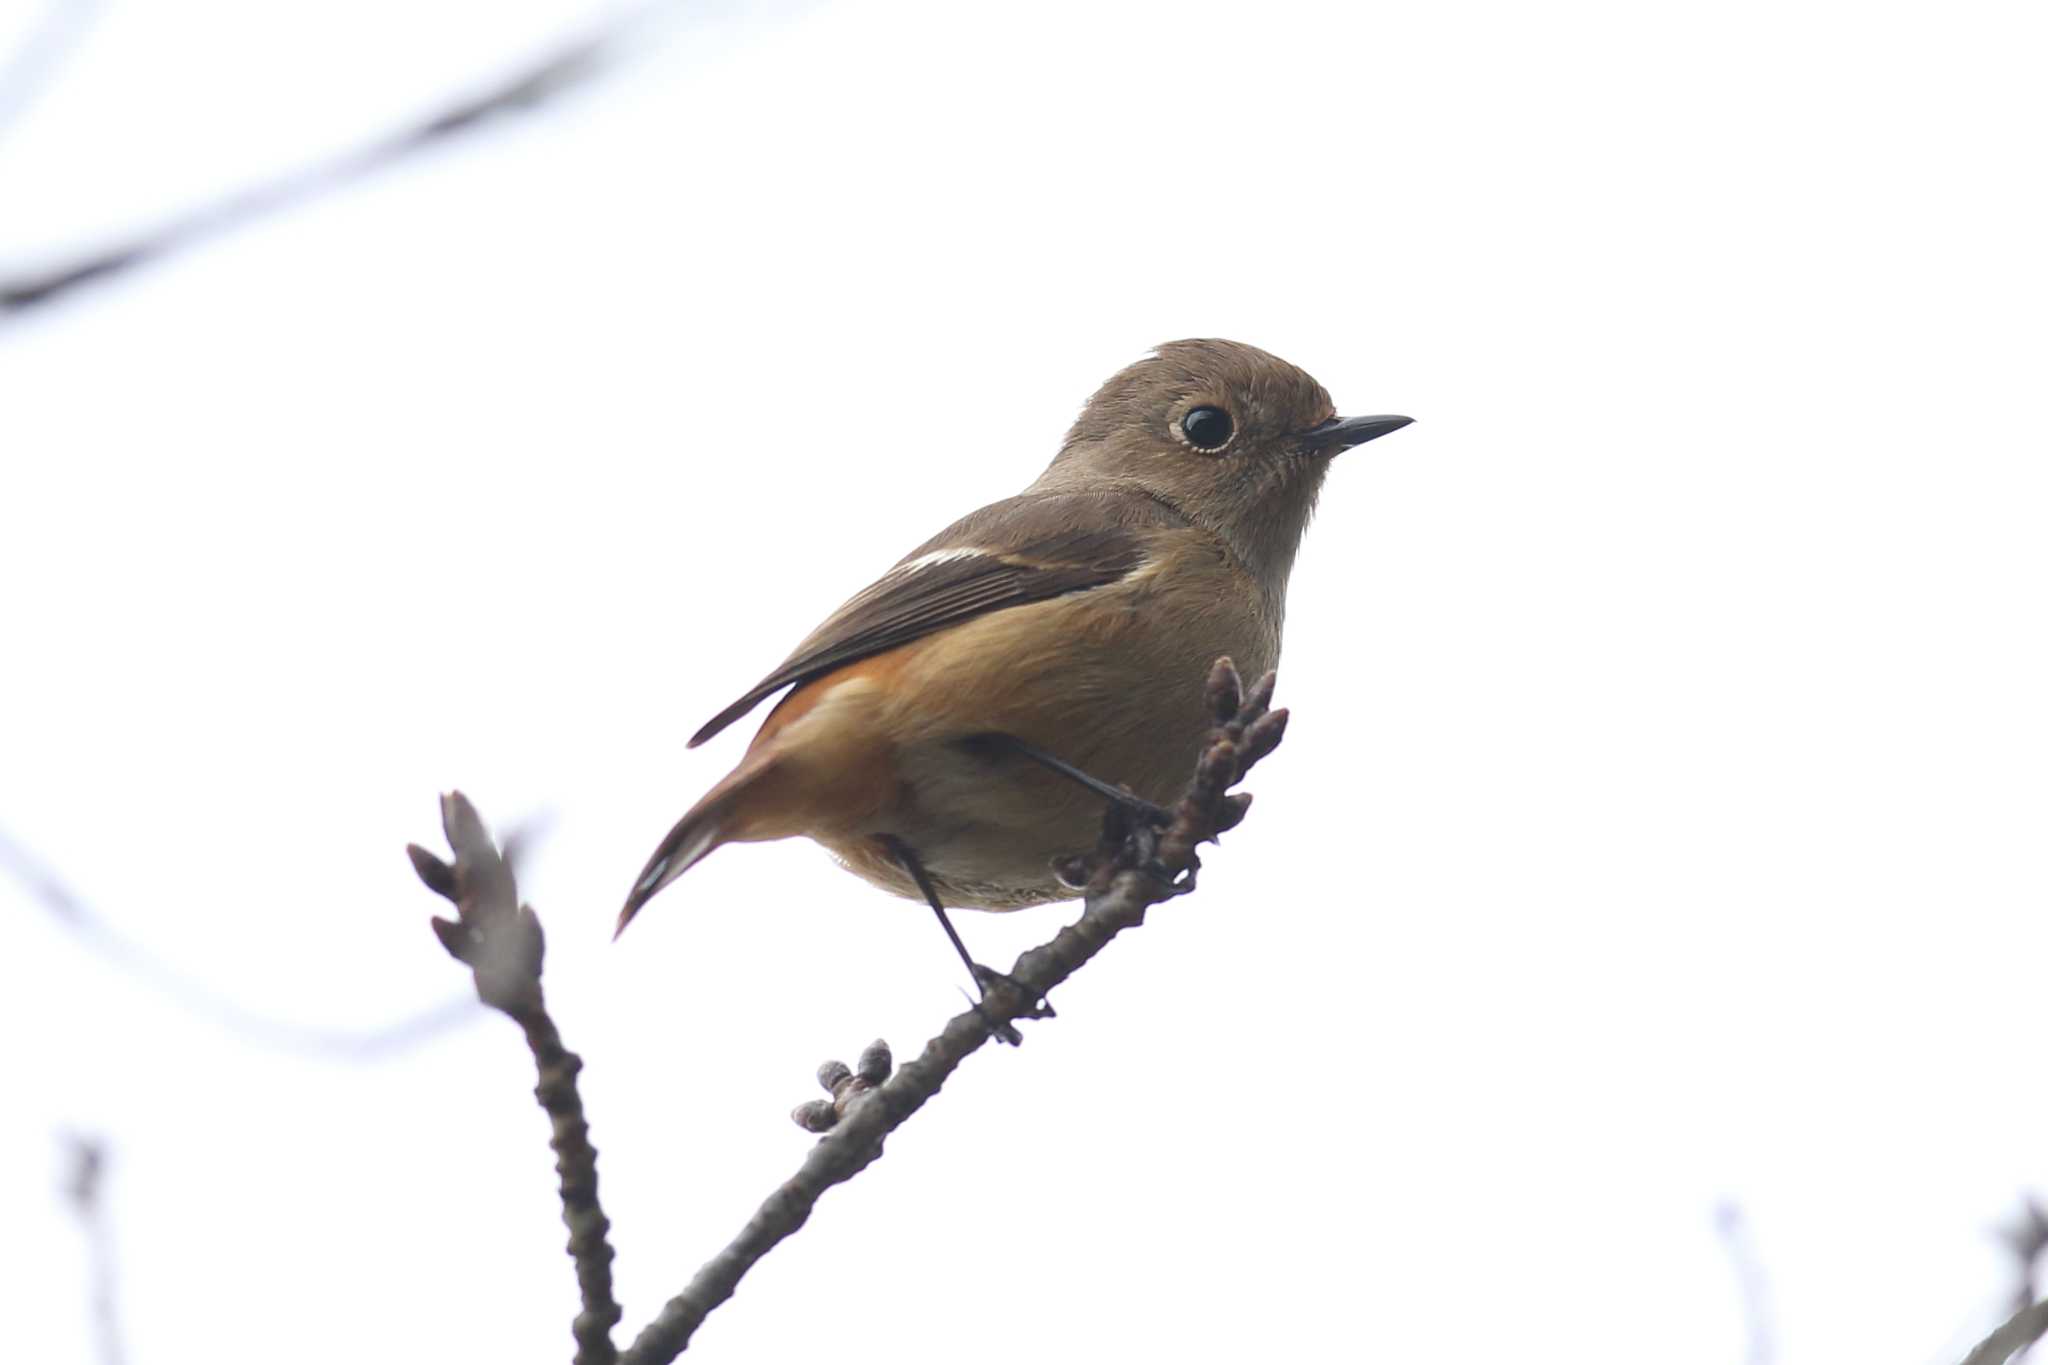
x=711, y=822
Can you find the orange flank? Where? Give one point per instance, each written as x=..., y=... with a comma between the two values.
x=822, y=765
x=822, y=762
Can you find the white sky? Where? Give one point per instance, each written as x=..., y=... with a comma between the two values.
x=1662, y=823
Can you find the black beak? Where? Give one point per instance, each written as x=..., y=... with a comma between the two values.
x=1342, y=433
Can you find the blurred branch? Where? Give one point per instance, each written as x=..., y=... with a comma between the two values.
x=571, y=64
x=2027, y=1239
x=2013, y=1336
x=91, y=929
x=501, y=942
x=1750, y=1282
x=84, y=1188
x=1131, y=870
x=34, y=63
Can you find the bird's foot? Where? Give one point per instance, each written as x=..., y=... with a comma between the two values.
x=1130, y=839
x=1033, y=1005
x=1178, y=886
x=1139, y=841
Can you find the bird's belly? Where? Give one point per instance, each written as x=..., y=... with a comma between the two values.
x=1113, y=686
x=989, y=826
x=986, y=829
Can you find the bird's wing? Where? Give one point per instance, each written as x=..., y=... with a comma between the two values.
x=1024, y=549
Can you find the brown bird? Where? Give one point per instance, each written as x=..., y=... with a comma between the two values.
x=954, y=728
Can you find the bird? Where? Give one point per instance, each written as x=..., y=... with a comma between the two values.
x=952, y=731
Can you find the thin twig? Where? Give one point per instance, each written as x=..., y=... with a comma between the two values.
x=570, y=64
x=85, y=1189
x=1132, y=872
x=1750, y=1281
x=34, y=64
x=92, y=929
x=2027, y=1240
x=501, y=942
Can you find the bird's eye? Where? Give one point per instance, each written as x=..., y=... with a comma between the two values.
x=1206, y=428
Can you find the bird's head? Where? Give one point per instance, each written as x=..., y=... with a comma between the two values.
x=1237, y=440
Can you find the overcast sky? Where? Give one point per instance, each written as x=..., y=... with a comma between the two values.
x=1661, y=825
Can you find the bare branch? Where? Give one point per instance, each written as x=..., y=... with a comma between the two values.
x=85, y=1189
x=501, y=942
x=2014, y=1335
x=2027, y=1239
x=34, y=64
x=96, y=933
x=571, y=64
x=1133, y=870
x=1750, y=1282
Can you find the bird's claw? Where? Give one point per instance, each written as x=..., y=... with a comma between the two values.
x=1035, y=1006
x=1176, y=886
x=1000, y=1031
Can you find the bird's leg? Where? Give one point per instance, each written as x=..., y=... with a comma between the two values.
x=984, y=977
x=1141, y=810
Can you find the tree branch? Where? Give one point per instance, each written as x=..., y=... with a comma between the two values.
x=2027, y=1239
x=97, y=933
x=572, y=63
x=501, y=942
x=34, y=64
x=85, y=1189
x=1130, y=870
x=2014, y=1335
x=1750, y=1282
x=1129, y=873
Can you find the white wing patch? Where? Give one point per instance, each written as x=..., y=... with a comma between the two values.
x=943, y=557
x=889, y=580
